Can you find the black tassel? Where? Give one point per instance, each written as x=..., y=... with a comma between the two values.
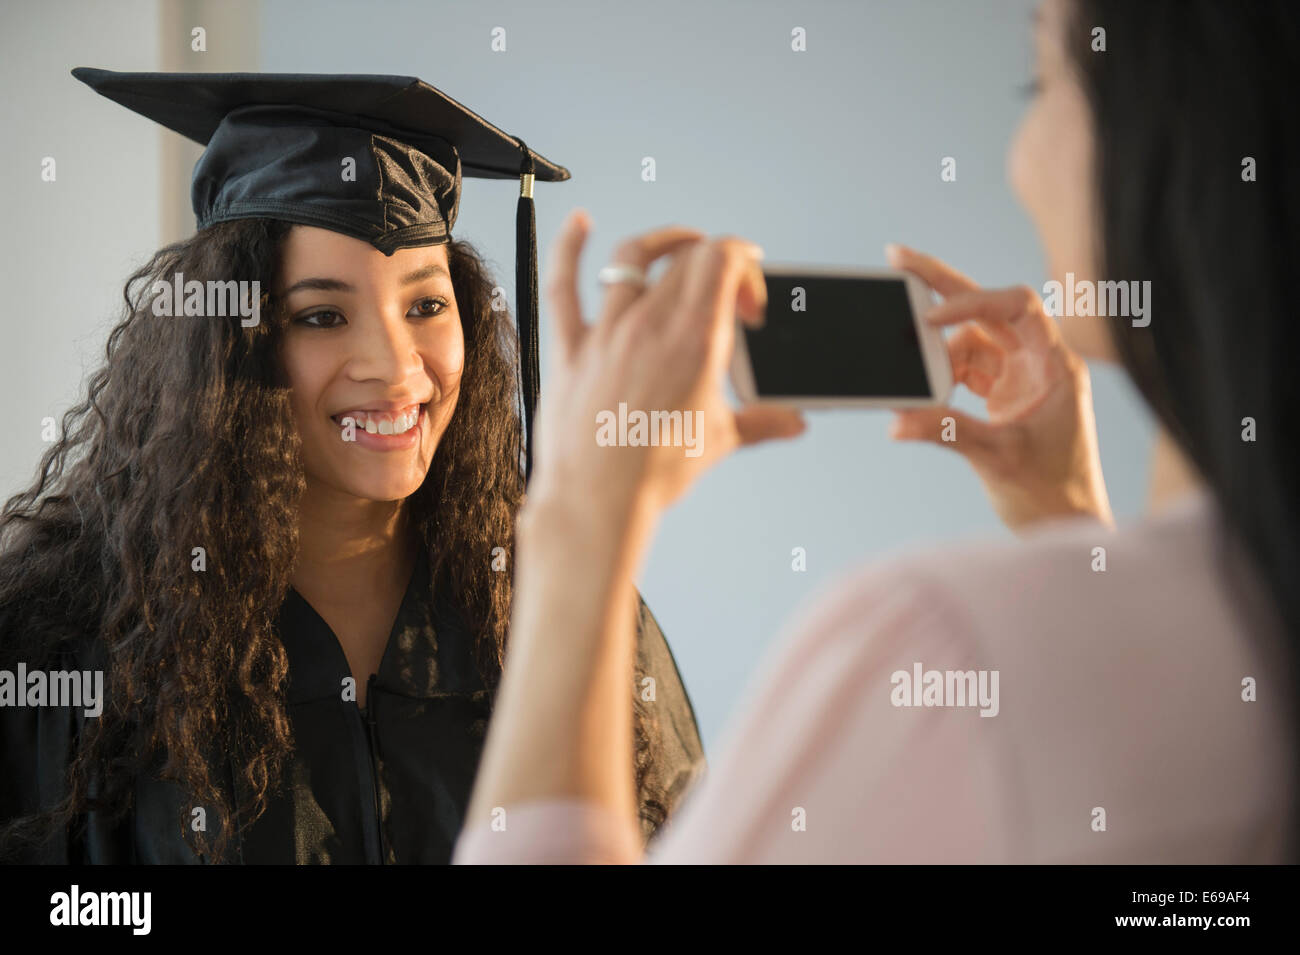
x=526, y=305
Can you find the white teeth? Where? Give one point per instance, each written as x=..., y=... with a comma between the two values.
x=383, y=424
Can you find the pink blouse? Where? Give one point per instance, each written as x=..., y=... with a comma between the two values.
x=1083, y=695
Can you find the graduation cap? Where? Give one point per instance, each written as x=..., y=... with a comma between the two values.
x=277, y=146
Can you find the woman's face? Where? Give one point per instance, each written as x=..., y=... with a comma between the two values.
x=1049, y=165
x=376, y=339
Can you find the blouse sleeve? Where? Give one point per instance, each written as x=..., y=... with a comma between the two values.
x=831, y=759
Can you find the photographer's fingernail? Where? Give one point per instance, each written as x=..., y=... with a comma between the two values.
x=755, y=251
x=893, y=253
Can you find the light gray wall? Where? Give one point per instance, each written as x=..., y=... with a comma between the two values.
x=820, y=156
x=66, y=246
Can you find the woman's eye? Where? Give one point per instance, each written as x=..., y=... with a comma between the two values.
x=325, y=318
x=427, y=308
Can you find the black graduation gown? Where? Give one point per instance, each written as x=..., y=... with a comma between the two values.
x=388, y=784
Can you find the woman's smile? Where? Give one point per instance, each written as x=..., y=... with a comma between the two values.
x=382, y=430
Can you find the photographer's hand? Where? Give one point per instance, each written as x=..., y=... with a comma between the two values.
x=662, y=349
x=1037, y=452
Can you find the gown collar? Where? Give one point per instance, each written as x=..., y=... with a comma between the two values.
x=429, y=651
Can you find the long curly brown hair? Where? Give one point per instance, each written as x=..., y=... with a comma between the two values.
x=185, y=439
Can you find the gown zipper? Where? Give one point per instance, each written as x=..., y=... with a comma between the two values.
x=372, y=732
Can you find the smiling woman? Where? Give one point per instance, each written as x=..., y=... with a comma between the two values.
x=301, y=633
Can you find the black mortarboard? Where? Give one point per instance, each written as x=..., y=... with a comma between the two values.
x=277, y=145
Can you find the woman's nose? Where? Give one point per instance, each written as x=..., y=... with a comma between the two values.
x=384, y=349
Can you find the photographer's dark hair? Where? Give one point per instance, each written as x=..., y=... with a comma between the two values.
x=1187, y=95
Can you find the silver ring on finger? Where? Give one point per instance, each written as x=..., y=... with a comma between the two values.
x=622, y=273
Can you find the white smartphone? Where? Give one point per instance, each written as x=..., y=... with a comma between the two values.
x=843, y=338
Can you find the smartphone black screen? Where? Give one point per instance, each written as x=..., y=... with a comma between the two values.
x=828, y=336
